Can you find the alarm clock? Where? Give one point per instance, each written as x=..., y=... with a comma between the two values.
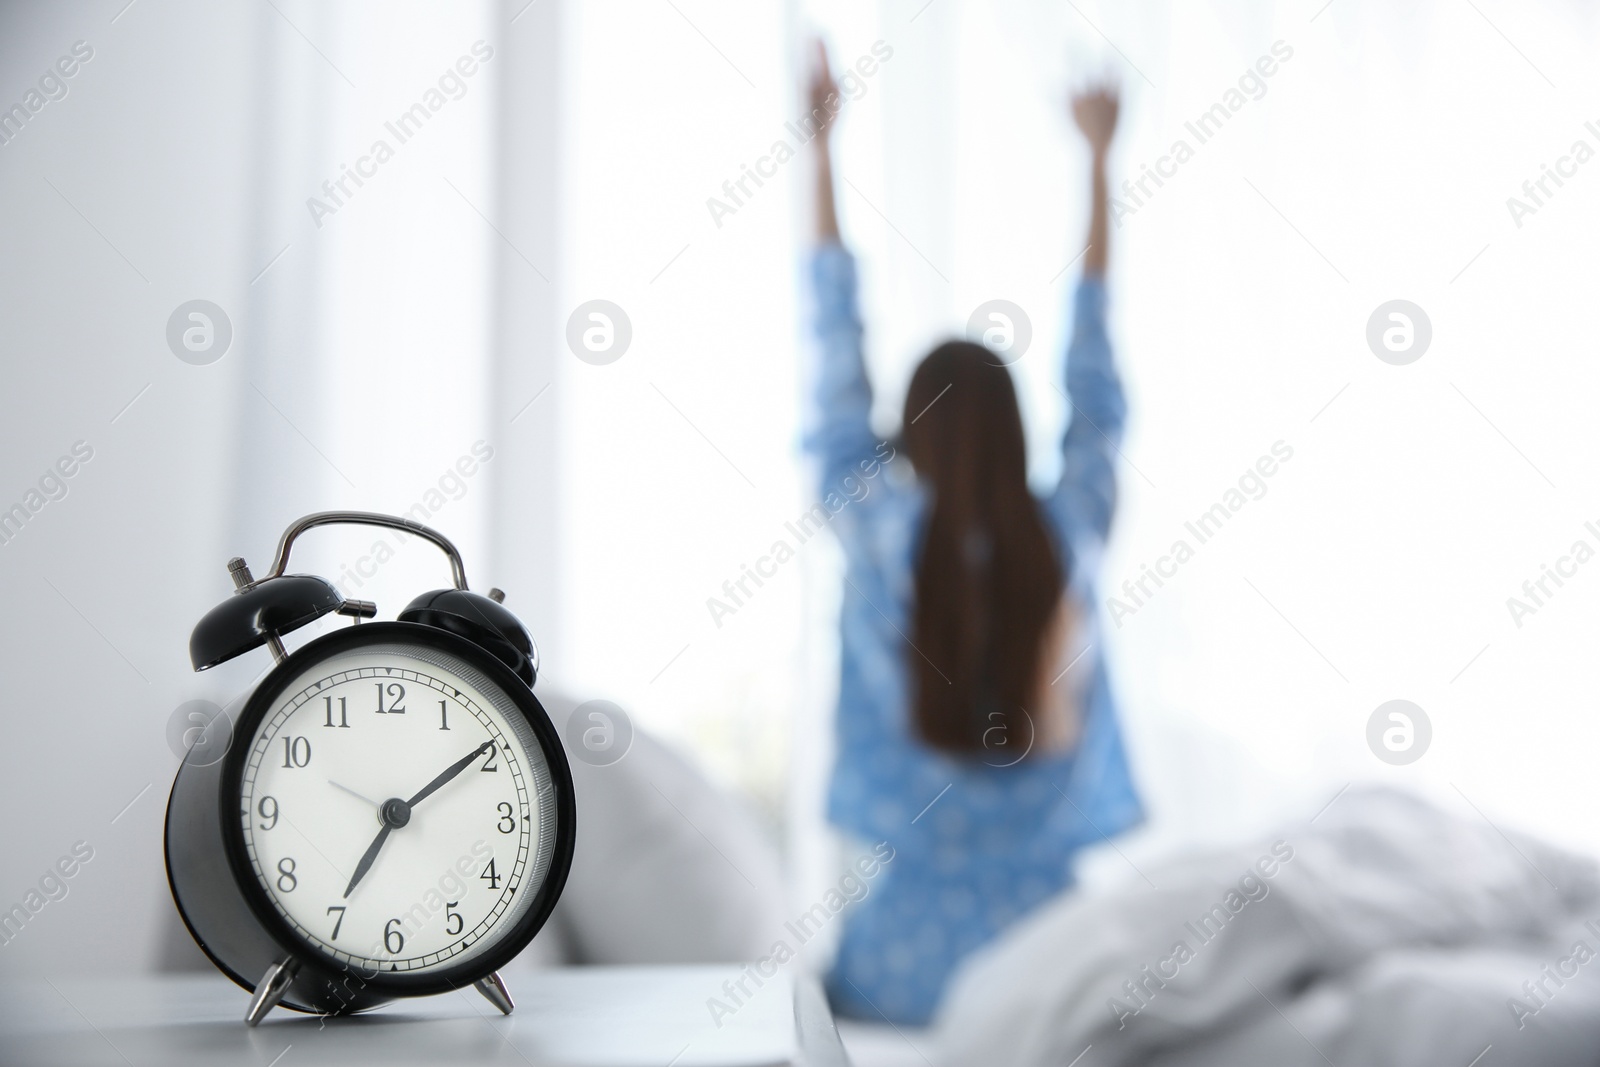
x=394, y=814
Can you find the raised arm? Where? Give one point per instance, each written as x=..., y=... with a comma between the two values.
x=823, y=96
x=1086, y=497
x=838, y=427
x=1095, y=112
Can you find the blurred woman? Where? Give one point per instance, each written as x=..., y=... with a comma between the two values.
x=976, y=731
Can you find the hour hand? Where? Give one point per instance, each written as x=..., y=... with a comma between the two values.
x=366, y=860
x=395, y=813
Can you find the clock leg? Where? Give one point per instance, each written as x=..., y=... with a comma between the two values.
x=273, y=985
x=495, y=991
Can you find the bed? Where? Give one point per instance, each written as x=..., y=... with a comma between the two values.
x=1381, y=933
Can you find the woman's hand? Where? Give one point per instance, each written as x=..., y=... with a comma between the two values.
x=822, y=93
x=1095, y=112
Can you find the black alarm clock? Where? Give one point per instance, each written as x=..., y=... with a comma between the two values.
x=394, y=814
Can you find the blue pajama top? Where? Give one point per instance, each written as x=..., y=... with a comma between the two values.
x=977, y=843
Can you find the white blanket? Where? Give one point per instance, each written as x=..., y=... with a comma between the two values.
x=1384, y=932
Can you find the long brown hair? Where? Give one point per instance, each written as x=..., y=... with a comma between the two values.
x=988, y=577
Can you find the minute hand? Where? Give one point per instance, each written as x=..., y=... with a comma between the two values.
x=450, y=772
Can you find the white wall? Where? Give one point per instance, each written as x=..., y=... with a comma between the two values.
x=155, y=146
x=359, y=374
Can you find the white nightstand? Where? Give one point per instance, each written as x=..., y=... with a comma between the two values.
x=577, y=1016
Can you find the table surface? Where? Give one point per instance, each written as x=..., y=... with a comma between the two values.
x=565, y=1017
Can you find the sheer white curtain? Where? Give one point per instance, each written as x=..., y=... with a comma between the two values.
x=679, y=462
x=1373, y=163
x=373, y=378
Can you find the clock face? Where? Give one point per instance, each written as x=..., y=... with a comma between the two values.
x=397, y=809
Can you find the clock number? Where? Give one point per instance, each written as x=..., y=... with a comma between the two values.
x=488, y=764
x=506, y=823
x=262, y=809
x=397, y=693
x=286, y=879
x=451, y=915
x=337, y=922
x=343, y=723
x=296, y=751
x=444, y=716
x=489, y=876
x=393, y=939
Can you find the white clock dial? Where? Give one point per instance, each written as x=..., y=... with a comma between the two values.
x=354, y=849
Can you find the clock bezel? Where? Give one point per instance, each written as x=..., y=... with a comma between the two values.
x=261, y=703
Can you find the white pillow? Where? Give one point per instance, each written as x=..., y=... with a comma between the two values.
x=667, y=868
